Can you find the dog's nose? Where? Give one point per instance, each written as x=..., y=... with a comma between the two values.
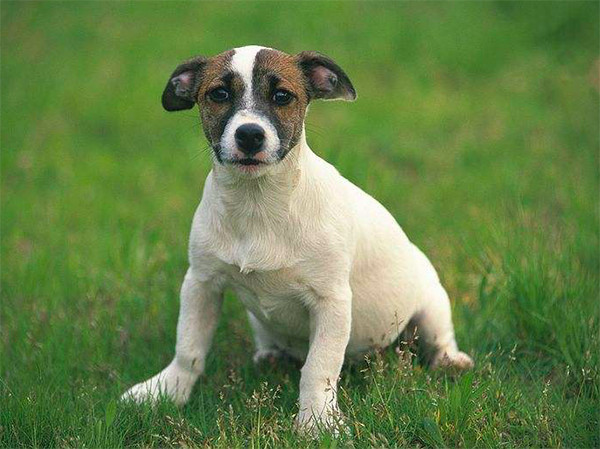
x=250, y=138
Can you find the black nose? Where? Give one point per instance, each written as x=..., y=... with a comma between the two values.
x=250, y=138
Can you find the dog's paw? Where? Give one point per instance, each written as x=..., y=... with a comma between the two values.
x=452, y=360
x=270, y=355
x=331, y=421
x=171, y=383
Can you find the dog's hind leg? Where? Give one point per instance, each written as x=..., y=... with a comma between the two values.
x=266, y=349
x=434, y=324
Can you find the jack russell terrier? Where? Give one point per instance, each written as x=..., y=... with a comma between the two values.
x=323, y=269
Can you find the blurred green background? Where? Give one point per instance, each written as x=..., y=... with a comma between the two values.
x=476, y=126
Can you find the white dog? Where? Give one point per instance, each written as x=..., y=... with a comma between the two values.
x=323, y=269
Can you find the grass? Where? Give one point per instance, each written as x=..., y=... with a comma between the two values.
x=476, y=126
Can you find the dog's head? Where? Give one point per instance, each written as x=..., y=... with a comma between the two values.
x=253, y=100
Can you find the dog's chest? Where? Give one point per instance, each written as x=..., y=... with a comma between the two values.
x=260, y=250
x=276, y=297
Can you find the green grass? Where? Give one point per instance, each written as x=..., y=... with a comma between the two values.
x=476, y=126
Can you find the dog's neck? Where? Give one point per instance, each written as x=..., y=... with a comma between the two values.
x=260, y=218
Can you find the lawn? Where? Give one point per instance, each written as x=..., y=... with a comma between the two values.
x=477, y=126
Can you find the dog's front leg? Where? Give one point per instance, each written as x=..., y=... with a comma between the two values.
x=198, y=314
x=329, y=334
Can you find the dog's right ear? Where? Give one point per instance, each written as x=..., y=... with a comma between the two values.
x=182, y=88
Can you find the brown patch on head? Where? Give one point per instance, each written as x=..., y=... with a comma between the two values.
x=215, y=68
x=217, y=75
x=276, y=71
x=192, y=81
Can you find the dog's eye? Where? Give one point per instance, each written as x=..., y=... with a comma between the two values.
x=282, y=97
x=219, y=95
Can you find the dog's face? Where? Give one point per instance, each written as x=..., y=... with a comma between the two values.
x=253, y=100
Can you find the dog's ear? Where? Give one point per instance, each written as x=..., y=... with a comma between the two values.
x=182, y=87
x=325, y=79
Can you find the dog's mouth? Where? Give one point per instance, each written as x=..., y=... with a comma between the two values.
x=247, y=161
x=248, y=165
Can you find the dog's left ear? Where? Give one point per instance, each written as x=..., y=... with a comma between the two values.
x=325, y=78
x=183, y=84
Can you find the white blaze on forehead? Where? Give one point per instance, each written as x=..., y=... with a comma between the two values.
x=242, y=62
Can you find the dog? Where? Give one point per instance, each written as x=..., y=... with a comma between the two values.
x=323, y=269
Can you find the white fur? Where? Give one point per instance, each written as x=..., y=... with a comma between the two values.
x=323, y=269
x=271, y=143
x=242, y=62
